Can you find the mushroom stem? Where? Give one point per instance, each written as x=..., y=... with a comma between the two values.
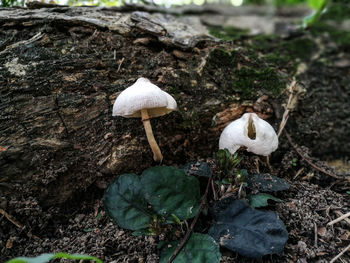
x=157, y=154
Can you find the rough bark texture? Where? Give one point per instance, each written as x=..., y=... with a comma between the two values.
x=58, y=86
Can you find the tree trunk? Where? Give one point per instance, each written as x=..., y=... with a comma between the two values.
x=62, y=68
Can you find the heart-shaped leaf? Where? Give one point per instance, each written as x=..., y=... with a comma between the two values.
x=125, y=203
x=199, y=248
x=249, y=232
x=266, y=182
x=170, y=191
x=260, y=200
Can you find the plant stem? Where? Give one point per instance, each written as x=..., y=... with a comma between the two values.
x=157, y=154
x=189, y=231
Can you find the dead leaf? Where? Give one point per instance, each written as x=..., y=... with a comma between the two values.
x=9, y=243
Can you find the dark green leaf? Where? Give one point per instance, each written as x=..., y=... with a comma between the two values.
x=125, y=203
x=170, y=191
x=249, y=232
x=199, y=248
x=47, y=257
x=260, y=200
x=197, y=169
x=266, y=182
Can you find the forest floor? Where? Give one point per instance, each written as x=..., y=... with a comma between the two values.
x=80, y=224
x=85, y=228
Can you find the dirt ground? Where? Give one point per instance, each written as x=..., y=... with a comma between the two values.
x=85, y=228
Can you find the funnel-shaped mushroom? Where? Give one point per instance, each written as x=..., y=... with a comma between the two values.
x=144, y=99
x=251, y=132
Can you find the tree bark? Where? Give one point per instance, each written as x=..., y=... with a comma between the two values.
x=62, y=68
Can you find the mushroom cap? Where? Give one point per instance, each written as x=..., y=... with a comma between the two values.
x=143, y=95
x=235, y=135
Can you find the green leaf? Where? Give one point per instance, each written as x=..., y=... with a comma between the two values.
x=170, y=191
x=176, y=219
x=47, y=257
x=125, y=203
x=320, y=7
x=348, y=192
x=199, y=248
x=260, y=200
x=316, y=4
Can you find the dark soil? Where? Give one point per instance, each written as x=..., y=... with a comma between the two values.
x=82, y=226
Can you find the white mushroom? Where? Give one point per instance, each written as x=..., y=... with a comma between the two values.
x=251, y=132
x=145, y=100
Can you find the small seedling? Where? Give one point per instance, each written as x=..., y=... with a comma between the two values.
x=225, y=161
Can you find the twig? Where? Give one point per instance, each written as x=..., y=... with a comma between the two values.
x=9, y=218
x=120, y=64
x=23, y=42
x=307, y=160
x=339, y=219
x=286, y=112
x=189, y=231
x=340, y=254
x=315, y=233
x=298, y=173
x=347, y=220
x=295, y=91
x=214, y=191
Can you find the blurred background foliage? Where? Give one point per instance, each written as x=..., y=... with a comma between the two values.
x=9, y=3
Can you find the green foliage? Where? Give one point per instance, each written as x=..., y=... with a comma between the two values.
x=225, y=160
x=8, y=3
x=227, y=33
x=170, y=191
x=316, y=4
x=199, y=248
x=222, y=58
x=47, y=257
x=284, y=53
x=172, y=194
x=250, y=79
x=288, y=2
x=125, y=202
x=340, y=37
x=261, y=200
x=319, y=6
x=337, y=10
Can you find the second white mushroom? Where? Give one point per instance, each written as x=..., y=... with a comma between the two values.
x=249, y=131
